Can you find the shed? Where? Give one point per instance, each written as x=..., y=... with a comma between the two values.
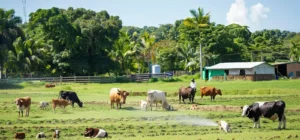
x=253, y=71
x=287, y=69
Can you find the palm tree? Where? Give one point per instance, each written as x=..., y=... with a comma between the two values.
x=198, y=21
x=24, y=56
x=294, y=52
x=147, y=49
x=187, y=55
x=9, y=31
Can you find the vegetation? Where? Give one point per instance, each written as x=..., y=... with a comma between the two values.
x=84, y=42
x=158, y=124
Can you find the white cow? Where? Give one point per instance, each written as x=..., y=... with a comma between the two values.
x=43, y=104
x=225, y=126
x=157, y=96
x=143, y=105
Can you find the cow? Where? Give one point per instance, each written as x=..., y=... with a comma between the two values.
x=19, y=136
x=70, y=95
x=186, y=92
x=43, y=104
x=269, y=109
x=56, y=134
x=209, y=91
x=40, y=135
x=23, y=103
x=61, y=103
x=95, y=133
x=116, y=95
x=223, y=125
x=157, y=96
x=143, y=105
x=49, y=85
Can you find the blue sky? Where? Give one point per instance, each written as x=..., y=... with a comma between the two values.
x=257, y=14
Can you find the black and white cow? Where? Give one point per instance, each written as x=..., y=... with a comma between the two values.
x=271, y=110
x=70, y=95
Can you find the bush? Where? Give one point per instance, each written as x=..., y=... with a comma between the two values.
x=122, y=79
x=152, y=80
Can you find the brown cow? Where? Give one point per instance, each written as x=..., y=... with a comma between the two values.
x=186, y=92
x=210, y=91
x=61, y=103
x=19, y=136
x=56, y=134
x=116, y=95
x=49, y=85
x=23, y=103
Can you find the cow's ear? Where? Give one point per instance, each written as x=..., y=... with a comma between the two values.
x=242, y=107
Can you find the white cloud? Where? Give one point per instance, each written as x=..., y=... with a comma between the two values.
x=258, y=12
x=238, y=13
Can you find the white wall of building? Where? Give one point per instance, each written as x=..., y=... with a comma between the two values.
x=264, y=69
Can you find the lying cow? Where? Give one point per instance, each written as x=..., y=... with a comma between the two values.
x=116, y=95
x=95, y=133
x=186, y=92
x=194, y=107
x=157, y=96
x=70, y=95
x=49, y=85
x=19, y=136
x=143, y=105
x=61, y=103
x=40, y=135
x=223, y=125
x=210, y=91
x=23, y=103
x=271, y=110
x=43, y=104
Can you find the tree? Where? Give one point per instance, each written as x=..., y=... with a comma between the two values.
x=198, y=21
x=147, y=47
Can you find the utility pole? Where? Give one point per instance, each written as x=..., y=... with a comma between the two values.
x=24, y=10
x=200, y=59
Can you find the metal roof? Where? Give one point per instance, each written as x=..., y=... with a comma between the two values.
x=235, y=65
x=282, y=63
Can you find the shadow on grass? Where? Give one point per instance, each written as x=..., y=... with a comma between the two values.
x=10, y=86
x=129, y=108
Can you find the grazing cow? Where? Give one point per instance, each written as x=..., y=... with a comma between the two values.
x=157, y=96
x=40, y=135
x=23, y=103
x=95, y=133
x=194, y=107
x=56, y=134
x=116, y=95
x=185, y=93
x=271, y=110
x=210, y=91
x=143, y=105
x=70, y=95
x=19, y=136
x=43, y=104
x=49, y=85
x=223, y=125
x=61, y=103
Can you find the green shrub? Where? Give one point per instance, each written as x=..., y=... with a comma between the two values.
x=123, y=80
x=152, y=80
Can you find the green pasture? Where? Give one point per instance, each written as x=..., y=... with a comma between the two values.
x=132, y=123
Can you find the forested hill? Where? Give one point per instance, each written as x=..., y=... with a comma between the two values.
x=84, y=42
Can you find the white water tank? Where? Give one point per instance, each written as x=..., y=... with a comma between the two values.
x=155, y=69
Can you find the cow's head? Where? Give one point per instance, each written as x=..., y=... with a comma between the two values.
x=218, y=91
x=80, y=104
x=88, y=132
x=246, y=110
x=19, y=101
x=123, y=94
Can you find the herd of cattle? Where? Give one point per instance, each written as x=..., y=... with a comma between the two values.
x=271, y=109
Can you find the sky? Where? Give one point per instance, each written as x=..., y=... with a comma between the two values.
x=257, y=14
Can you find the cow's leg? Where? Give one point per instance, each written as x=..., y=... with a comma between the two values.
x=151, y=106
x=254, y=123
x=214, y=98
x=281, y=120
x=156, y=105
x=111, y=104
x=284, y=121
x=28, y=109
x=73, y=104
x=54, y=110
x=179, y=99
x=120, y=105
x=211, y=98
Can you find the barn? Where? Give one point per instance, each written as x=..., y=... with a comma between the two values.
x=253, y=71
x=287, y=69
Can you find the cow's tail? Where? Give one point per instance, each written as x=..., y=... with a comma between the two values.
x=179, y=95
x=283, y=104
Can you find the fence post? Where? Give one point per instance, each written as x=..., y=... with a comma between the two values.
x=75, y=78
x=89, y=77
x=60, y=79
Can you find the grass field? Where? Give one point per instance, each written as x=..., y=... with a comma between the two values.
x=132, y=123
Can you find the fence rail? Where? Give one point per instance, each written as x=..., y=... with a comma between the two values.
x=91, y=79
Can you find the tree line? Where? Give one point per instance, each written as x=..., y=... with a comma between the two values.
x=78, y=41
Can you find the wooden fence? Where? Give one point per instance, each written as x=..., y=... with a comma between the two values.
x=90, y=79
